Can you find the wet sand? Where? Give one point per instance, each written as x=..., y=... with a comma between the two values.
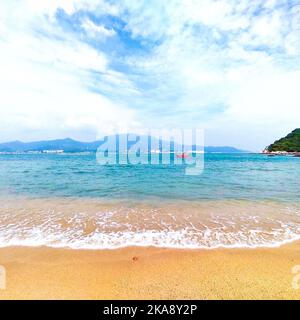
x=150, y=273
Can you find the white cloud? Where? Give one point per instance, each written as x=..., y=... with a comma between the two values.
x=221, y=56
x=96, y=30
x=69, y=6
x=218, y=14
x=42, y=99
x=228, y=66
x=45, y=80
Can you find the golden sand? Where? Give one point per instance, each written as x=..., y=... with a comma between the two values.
x=150, y=273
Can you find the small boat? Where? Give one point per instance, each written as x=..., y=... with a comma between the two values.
x=183, y=155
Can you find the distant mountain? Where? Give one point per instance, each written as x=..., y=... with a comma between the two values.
x=290, y=143
x=70, y=145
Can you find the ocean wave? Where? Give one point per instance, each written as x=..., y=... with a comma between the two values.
x=91, y=224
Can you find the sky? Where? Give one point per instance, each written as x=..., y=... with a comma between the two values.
x=83, y=68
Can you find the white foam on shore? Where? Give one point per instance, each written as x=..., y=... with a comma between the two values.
x=85, y=225
x=176, y=240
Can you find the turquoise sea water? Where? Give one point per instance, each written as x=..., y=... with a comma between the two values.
x=226, y=176
x=70, y=200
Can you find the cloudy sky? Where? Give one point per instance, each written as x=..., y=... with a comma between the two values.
x=80, y=68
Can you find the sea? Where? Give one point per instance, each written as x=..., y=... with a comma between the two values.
x=70, y=200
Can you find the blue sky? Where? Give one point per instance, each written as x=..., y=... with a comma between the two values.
x=81, y=68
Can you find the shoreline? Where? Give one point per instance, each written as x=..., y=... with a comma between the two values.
x=150, y=273
x=94, y=224
x=274, y=245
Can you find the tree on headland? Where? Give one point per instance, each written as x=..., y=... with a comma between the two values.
x=290, y=143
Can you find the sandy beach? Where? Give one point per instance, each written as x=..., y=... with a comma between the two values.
x=150, y=273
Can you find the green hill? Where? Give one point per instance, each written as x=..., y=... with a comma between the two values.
x=290, y=143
